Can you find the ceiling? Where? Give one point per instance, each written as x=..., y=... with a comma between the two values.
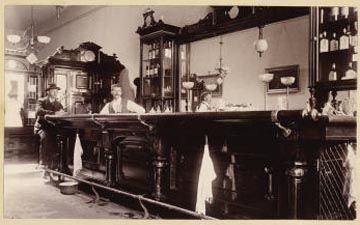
x=18, y=17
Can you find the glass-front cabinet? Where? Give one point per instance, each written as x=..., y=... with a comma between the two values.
x=334, y=32
x=158, y=63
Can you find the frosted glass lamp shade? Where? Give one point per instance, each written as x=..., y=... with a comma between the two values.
x=211, y=87
x=266, y=77
x=188, y=84
x=261, y=45
x=287, y=81
x=13, y=38
x=44, y=39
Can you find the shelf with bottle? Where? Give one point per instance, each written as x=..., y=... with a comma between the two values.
x=161, y=105
x=152, y=71
x=332, y=16
x=155, y=52
x=342, y=69
x=168, y=91
x=341, y=53
x=337, y=85
x=336, y=42
x=168, y=49
x=152, y=61
x=156, y=97
x=338, y=26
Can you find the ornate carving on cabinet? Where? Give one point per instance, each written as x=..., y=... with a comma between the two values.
x=84, y=71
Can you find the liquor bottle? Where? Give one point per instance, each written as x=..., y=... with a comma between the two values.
x=153, y=51
x=334, y=43
x=355, y=16
x=333, y=73
x=157, y=50
x=324, y=43
x=321, y=16
x=344, y=40
x=169, y=51
x=166, y=49
x=344, y=11
x=350, y=73
x=171, y=108
x=335, y=13
x=155, y=71
x=354, y=36
x=158, y=109
x=166, y=107
x=147, y=71
x=151, y=70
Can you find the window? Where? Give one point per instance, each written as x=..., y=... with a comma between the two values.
x=14, y=98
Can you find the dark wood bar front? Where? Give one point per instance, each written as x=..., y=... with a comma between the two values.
x=278, y=159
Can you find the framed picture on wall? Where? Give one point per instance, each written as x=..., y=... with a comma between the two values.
x=82, y=81
x=276, y=86
x=210, y=81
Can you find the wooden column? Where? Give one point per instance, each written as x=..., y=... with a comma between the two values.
x=296, y=176
x=160, y=168
x=109, y=157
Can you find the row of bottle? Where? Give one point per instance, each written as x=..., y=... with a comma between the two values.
x=350, y=73
x=153, y=89
x=166, y=108
x=337, y=13
x=152, y=70
x=345, y=41
x=154, y=50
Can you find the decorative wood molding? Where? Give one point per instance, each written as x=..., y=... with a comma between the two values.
x=216, y=23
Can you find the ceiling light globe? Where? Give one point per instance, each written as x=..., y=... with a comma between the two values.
x=261, y=45
x=13, y=38
x=44, y=39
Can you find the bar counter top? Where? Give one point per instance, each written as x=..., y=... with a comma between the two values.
x=235, y=116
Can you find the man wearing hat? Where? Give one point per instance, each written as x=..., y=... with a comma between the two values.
x=49, y=105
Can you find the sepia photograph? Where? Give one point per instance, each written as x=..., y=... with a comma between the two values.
x=180, y=112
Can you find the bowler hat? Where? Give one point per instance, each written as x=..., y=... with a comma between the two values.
x=52, y=86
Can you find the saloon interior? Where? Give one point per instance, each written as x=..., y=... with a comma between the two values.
x=277, y=139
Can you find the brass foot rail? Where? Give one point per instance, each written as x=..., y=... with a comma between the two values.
x=138, y=197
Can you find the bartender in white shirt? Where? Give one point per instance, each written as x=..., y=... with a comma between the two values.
x=119, y=104
x=204, y=105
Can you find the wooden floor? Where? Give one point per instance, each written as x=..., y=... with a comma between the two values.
x=28, y=196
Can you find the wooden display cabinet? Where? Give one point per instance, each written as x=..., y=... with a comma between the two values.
x=159, y=83
x=333, y=33
x=82, y=71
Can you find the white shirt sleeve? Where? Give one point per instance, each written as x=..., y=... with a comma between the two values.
x=105, y=109
x=133, y=107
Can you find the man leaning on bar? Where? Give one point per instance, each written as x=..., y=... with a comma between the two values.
x=120, y=104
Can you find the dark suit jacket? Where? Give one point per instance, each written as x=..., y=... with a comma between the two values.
x=45, y=107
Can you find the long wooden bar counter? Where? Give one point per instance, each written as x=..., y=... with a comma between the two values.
x=278, y=159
